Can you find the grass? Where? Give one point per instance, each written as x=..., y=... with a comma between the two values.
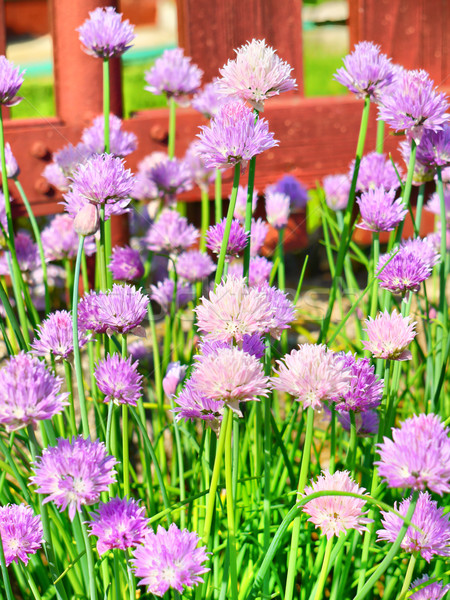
x=321, y=60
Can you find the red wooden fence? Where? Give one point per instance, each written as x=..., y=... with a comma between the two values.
x=317, y=135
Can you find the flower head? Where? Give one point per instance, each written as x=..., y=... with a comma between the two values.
x=170, y=177
x=104, y=34
x=336, y=514
x=175, y=374
x=434, y=204
x=432, y=591
x=74, y=473
x=193, y=404
x=312, y=374
x=171, y=233
x=277, y=209
x=121, y=142
x=65, y=161
x=194, y=265
x=375, y=172
x=29, y=392
x=414, y=105
x=380, y=211
x=236, y=242
x=119, y=379
x=366, y=71
x=55, y=336
x=258, y=273
x=241, y=203
x=208, y=100
x=336, y=189
x=12, y=168
x=27, y=253
x=10, y=81
x=173, y=75
x=291, y=187
x=422, y=248
x=366, y=422
x=258, y=234
x=433, y=536
x=417, y=456
x=21, y=532
x=170, y=559
x=364, y=391
x=126, y=264
x=434, y=148
x=162, y=293
x=402, y=271
x=60, y=240
x=118, y=523
x=199, y=173
x=422, y=173
x=233, y=137
x=282, y=310
x=389, y=335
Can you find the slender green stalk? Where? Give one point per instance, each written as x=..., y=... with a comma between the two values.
x=218, y=211
x=5, y=574
x=352, y=447
x=230, y=508
x=125, y=441
x=76, y=347
x=292, y=564
x=380, y=137
x=12, y=318
x=205, y=218
x=375, y=257
x=332, y=465
x=408, y=187
x=408, y=576
x=419, y=206
x=249, y=211
x=267, y=462
x=109, y=420
x=172, y=127
x=69, y=281
x=101, y=251
x=107, y=145
x=68, y=374
x=226, y=234
x=37, y=236
x=324, y=570
x=31, y=583
x=90, y=560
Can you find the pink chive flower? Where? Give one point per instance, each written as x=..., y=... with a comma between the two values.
x=402, y=271
x=175, y=374
x=252, y=344
x=60, y=240
x=119, y=379
x=170, y=559
x=417, y=456
x=259, y=270
x=236, y=241
x=433, y=539
x=380, y=211
x=389, y=336
x=173, y=74
x=199, y=173
x=170, y=177
x=432, y=591
x=434, y=148
x=21, y=532
x=334, y=515
x=312, y=374
x=277, y=209
x=171, y=233
x=10, y=81
x=104, y=34
x=232, y=376
x=119, y=523
x=29, y=392
x=366, y=422
x=233, y=137
x=64, y=162
x=375, y=171
x=55, y=336
x=208, y=100
x=193, y=405
x=232, y=311
x=282, y=310
x=194, y=265
x=336, y=189
x=73, y=473
x=162, y=293
x=423, y=248
x=258, y=234
x=256, y=74
x=365, y=390
x=241, y=203
x=121, y=143
x=126, y=264
x=12, y=168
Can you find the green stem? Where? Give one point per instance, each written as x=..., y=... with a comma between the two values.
x=375, y=257
x=101, y=251
x=76, y=347
x=90, y=560
x=37, y=236
x=5, y=574
x=248, y=212
x=68, y=374
x=32, y=585
x=408, y=576
x=106, y=103
x=172, y=127
x=108, y=427
x=333, y=439
x=267, y=463
x=292, y=570
x=218, y=196
x=69, y=281
x=125, y=443
x=419, y=206
x=380, y=137
x=351, y=456
x=407, y=188
x=226, y=234
x=205, y=218
x=324, y=570
x=230, y=507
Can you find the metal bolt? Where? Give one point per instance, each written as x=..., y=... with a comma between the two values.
x=159, y=134
x=39, y=150
x=42, y=186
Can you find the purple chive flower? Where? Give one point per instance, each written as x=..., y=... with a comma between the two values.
x=55, y=336
x=282, y=311
x=435, y=240
x=336, y=189
x=12, y=168
x=417, y=456
x=201, y=175
x=231, y=376
x=120, y=310
x=366, y=422
x=259, y=270
x=21, y=532
x=162, y=293
x=126, y=264
x=171, y=233
x=277, y=209
x=121, y=142
x=27, y=253
x=334, y=515
x=375, y=172
x=403, y=273
x=236, y=242
x=291, y=186
x=3, y=220
x=170, y=177
x=193, y=405
x=10, y=81
x=433, y=539
x=119, y=523
x=423, y=248
x=233, y=137
x=29, y=392
x=252, y=344
x=366, y=71
x=432, y=591
x=258, y=234
x=65, y=161
x=208, y=100
x=104, y=34
x=170, y=559
x=434, y=148
x=434, y=204
x=422, y=173
x=174, y=75
x=380, y=211
x=60, y=240
x=143, y=188
x=241, y=203
x=232, y=311
x=73, y=473
x=175, y=374
x=312, y=374
x=414, y=105
x=364, y=391
x=389, y=336
x=256, y=74
x=194, y=265
x=119, y=379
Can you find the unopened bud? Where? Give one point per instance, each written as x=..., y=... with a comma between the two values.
x=12, y=168
x=87, y=220
x=174, y=375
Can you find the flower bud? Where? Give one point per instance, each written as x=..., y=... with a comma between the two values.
x=174, y=375
x=87, y=220
x=12, y=168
